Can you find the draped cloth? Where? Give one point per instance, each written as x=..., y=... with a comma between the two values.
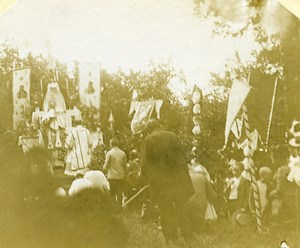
x=79, y=144
x=54, y=107
x=55, y=98
x=28, y=143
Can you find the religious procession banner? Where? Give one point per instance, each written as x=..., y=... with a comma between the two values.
x=236, y=128
x=254, y=138
x=238, y=94
x=21, y=95
x=143, y=112
x=89, y=84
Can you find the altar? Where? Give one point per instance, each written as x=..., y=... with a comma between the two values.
x=54, y=123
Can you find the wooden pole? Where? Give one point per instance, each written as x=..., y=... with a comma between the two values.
x=42, y=91
x=67, y=87
x=252, y=171
x=271, y=113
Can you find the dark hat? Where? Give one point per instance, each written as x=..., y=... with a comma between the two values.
x=241, y=218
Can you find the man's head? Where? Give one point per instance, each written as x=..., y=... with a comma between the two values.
x=114, y=142
x=265, y=173
x=152, y=125
x=238, y=169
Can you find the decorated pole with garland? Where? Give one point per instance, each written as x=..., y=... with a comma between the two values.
x=197, y=99
x=250, y=162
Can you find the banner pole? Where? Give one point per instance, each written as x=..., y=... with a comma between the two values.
x=250, y=162
x=271, y=113
x=42, y=91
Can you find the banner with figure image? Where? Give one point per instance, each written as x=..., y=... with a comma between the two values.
x=89, y=84
x=21, y=95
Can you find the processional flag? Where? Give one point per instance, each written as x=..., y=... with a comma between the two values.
x=238, y=94
x=89, y=84
x=237, y=127
x=142, y=114
x=251, y=142
x=21, y=95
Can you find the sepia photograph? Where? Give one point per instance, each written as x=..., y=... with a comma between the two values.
x=150, y=123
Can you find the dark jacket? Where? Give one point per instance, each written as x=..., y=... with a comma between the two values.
x=164, y=164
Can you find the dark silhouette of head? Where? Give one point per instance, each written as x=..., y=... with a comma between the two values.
x=114, y=142
x=152, y=125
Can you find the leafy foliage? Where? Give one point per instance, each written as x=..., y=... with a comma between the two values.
x=116, y=93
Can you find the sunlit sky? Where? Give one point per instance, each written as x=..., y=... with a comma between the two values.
x=122, y=34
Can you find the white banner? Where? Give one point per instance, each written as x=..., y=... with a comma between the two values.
x=141, y=116
x=236, y=128
x=21, y=95
x=238, y=94
x=254, y=136
x=89, y=84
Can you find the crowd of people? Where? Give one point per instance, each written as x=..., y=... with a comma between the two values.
x=38, y=210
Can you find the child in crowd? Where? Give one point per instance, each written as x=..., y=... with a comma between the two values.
x=237, y=189
x=265, y=186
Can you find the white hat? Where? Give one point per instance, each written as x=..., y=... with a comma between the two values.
x=295, y=131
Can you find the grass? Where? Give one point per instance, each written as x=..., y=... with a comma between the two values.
x=221, y=234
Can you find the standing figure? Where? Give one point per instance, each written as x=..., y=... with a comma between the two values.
x=97, y=137
x=22, y=92
x=90, y=89
x=237, y=190
x=115, y=165
x=200, y=203
x=54, y=121
x=78, y=144
x=164, y=165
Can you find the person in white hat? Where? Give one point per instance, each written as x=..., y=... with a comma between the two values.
x=294, y=147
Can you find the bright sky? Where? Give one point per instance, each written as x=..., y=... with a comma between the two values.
x=126, y=34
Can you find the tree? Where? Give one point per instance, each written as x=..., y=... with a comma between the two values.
x=276, y=55
x=153, y=84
